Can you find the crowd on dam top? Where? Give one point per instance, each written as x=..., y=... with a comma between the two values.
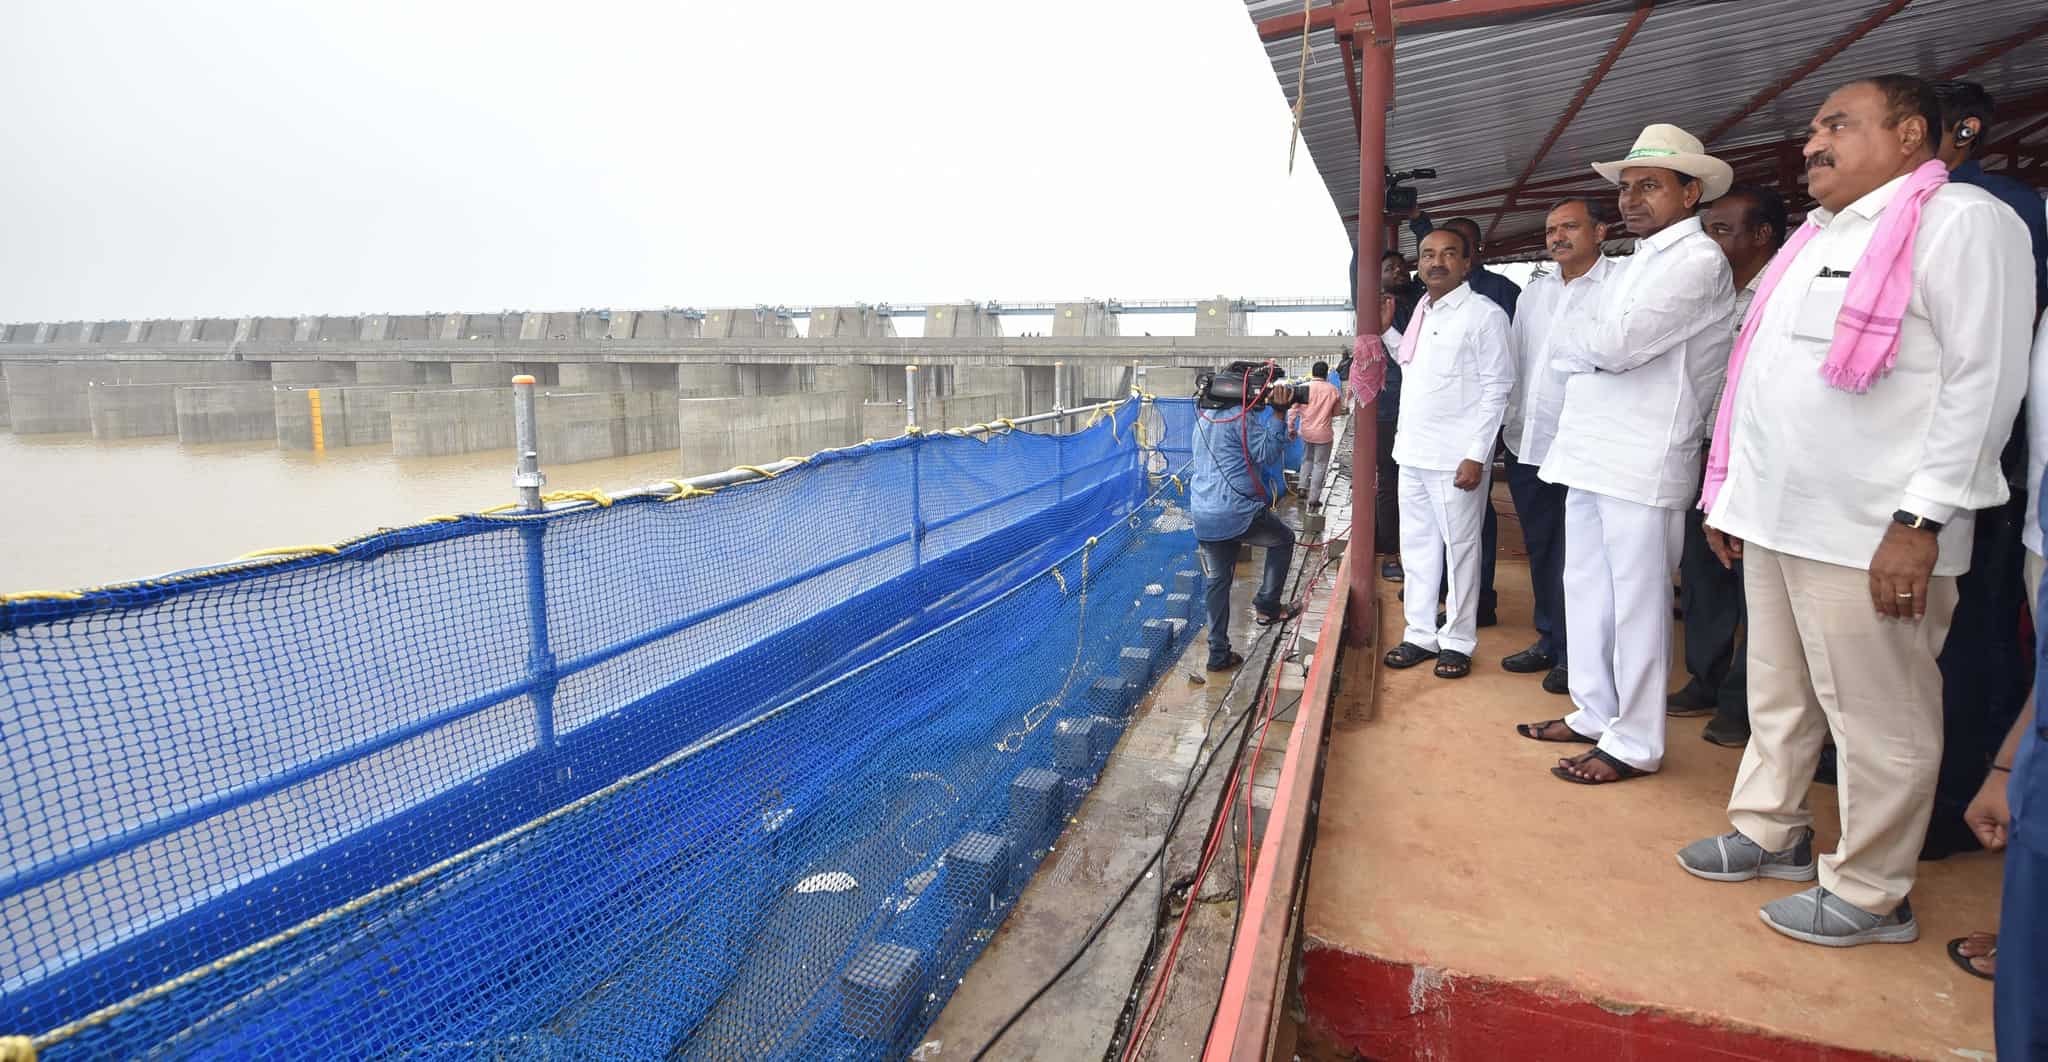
x=1817, y=429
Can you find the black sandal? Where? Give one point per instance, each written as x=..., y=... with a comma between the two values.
x=1622, y=771
x=1955, y=954
x=1534, y=732
x=1267, y=619
x=1407, y=655
x=1452, y=664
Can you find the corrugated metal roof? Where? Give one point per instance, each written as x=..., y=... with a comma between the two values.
x=1475, y=100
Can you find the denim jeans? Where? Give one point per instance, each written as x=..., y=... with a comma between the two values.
x=1219, y=567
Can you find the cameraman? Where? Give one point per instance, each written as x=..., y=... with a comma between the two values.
x=1231, y=506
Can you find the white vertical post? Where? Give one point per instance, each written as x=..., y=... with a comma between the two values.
x=910, y=397
x=528, y=477
x=1059, y=395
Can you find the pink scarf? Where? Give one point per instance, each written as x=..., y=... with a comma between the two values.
x=1866, y=343
x=1368, y=368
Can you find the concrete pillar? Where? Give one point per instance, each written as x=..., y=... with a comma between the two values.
x=1083, y=319
x=1170, y=382
x=960, y=321
x=774, y=379
x=718, y=433
x=596, y=426
x=500, y=373
x=306, y=330
x=211, y=413
x=349, y=416
x=453, y=421
x=618, y=376
x=1219, y=316
x=52, y=396
x=311, y=373
x=452, y=325
x=399, y=373
x=132, y=411
x=409, y=328
x=851, y=322
x=6, y=416
x=707, y=380
x=744, y=323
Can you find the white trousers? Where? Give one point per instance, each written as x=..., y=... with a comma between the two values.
x=1440, y=548
x=1315, y=463
x=1618, y=558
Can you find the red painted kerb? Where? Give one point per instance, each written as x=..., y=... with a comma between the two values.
x=1393, y=1011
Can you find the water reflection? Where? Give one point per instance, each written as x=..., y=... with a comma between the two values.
x=84, y=513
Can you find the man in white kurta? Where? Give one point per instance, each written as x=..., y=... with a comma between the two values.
x=1457, y=369
x=1852, y=513
x=1645, y=366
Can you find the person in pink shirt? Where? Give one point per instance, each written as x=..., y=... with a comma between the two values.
x=1310, y=421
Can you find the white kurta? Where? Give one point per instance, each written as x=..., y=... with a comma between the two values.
x=1538, y=398
x=1452, y=395
x=1645, y=366
x=1817, y=472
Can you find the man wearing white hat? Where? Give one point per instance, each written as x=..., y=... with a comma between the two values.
x=1643, y=367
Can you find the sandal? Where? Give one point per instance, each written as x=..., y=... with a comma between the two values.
x=1622, y=771
x=1407, y=655
x=1955, y=954
x=1267, y=619
x=1452, y=664
x=1535, y=732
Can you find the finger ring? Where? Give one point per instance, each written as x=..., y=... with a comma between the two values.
x=1907, y=594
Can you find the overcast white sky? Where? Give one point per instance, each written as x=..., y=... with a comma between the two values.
x=253, y=157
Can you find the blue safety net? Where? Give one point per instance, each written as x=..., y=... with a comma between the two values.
x=744, y=775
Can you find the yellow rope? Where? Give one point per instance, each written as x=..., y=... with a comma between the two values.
x=595, y=497
x=17, y=1049
x=685, y=490
x=1037, y=713
x=287, y=551
x=757, y=470
x=37, y=595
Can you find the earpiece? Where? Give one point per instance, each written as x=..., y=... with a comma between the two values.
x=1965, y=133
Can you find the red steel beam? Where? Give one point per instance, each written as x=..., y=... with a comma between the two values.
x=1764, y=98
x=1350, y=75
x=1994, y=50
x=1571, y=111
x=1416, y=14
x=1376, y=96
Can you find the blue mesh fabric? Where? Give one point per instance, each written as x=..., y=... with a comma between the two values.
x=739, y=776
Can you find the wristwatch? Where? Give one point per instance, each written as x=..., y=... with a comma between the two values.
x=1917, y=523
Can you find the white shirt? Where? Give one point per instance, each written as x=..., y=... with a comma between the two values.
x=1454, y=392
x=1817, y=472
x=1645, y=365
x=2037, y=438
x=1538, y=397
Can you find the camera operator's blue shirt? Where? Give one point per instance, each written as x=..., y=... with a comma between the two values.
x=1223, y=492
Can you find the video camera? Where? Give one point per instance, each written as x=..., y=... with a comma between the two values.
x=1227, y=387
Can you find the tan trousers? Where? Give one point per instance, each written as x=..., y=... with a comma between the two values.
x=1821, y=661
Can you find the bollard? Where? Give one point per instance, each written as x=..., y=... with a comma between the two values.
x=528, y=478
x=910, y=398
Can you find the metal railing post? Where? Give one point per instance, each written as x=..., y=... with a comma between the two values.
x=1059, y=396
x=540, y=657
x=910, y=397
x=910, y=385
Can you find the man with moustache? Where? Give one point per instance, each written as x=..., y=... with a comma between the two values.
x=1574, y=232
x=1644, y=368
x=1455, y=357
x=1505, y=294
x=1749, y=225
x=1868, y=398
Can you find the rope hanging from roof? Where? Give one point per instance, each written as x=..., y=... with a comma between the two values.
x=1300, y=83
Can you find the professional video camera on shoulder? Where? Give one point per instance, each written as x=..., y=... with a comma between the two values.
x=1263, y=381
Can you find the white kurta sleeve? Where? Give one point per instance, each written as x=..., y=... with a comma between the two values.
x=1493, y=354
x=1660, y=312
x=1977, y=282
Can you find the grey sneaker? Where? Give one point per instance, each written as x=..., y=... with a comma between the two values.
x=1733, y=857
x=1818, y=916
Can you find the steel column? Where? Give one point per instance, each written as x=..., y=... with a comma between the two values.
x=1376, y=92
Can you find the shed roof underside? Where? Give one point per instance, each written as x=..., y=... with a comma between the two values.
x=1480, y=85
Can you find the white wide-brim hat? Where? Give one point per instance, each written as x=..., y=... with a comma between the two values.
x=1667, y=147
